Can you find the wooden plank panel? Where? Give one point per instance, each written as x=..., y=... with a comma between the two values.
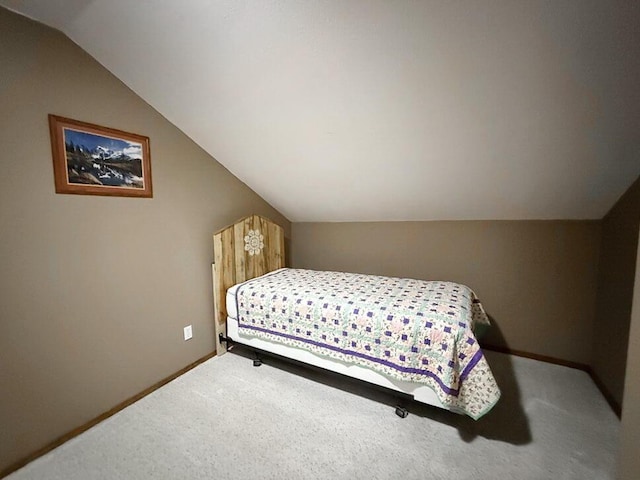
x=269, y=253
x=228, y=259
x=276, y=250
x=247, y=225
x=240, y=254
x=259, y=226
x=268, y=241
x=219, y=307
x=282, y=259
x=218, y=326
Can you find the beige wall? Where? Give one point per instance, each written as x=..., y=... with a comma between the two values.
x=536, y=279
x=94, y=291
x=615, y=290
x=629, y=461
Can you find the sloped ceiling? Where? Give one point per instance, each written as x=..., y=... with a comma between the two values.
x=359, y=110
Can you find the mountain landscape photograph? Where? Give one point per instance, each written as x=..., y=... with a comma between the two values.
x=99, y=160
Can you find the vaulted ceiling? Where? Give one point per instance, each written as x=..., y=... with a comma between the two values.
x=360, y=110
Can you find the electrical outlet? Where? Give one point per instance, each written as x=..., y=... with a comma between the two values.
x=188, y=332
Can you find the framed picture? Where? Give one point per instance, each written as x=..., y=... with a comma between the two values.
x=93, y=160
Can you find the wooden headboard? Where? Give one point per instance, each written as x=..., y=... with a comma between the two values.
x=251, y=247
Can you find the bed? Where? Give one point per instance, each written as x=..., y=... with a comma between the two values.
x=410, y=336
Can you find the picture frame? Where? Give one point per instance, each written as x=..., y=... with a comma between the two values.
x=90, y=159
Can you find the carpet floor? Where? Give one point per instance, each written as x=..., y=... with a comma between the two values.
x=226, y=419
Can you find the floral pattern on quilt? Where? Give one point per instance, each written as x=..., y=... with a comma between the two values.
x=410, y=330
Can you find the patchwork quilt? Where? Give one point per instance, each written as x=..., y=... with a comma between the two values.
x=411, y=330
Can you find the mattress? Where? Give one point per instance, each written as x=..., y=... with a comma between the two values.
x=409, y=335
x=231, y=301
x=420, y=393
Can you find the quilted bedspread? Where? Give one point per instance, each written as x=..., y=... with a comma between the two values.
x=411, y=330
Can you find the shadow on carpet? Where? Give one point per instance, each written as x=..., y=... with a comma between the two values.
x=506, y=422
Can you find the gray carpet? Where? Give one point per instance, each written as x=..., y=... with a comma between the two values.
x=226, y=419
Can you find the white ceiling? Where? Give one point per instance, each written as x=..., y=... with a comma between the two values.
x=364, y=110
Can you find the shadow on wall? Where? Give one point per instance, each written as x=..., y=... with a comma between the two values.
x=506, y=422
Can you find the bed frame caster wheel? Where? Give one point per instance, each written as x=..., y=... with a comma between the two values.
x=402, y=412
x=257, y=362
